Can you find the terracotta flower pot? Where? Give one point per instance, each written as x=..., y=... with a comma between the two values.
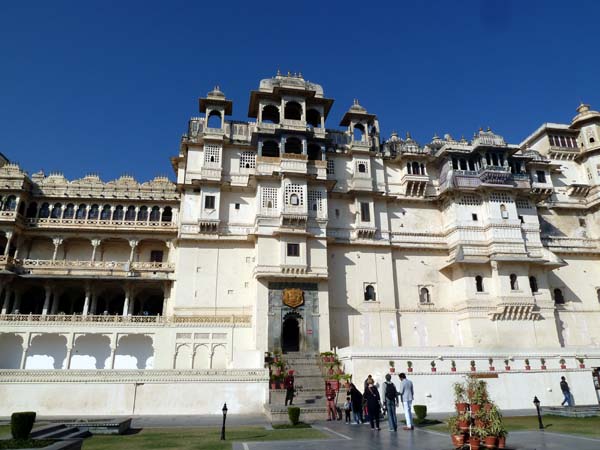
x=582, y=366
x=473, y=369
x=453, y=369
x=543, y=367
x=410, y=369
x=458, y=440
x=474, y=443
x=502, y=442
x=463, y=425
x=461, y=407
x=563, y=366
x=506, y=367
x=492, y=368
x=527, y=367
x=479, y=423
x=433, y=369
x=273, y=385
x=490, y=441
x=475, y=407
x=392, y=369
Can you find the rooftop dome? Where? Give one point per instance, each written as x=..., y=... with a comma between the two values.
x=216, y=93
x=357, y=108
x=584, y=113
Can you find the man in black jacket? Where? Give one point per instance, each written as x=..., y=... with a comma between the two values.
x=391, y=401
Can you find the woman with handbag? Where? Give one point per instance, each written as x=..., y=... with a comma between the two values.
x=373, y=400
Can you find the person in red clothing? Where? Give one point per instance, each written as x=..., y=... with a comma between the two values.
x=330, y=395
x=288, y=383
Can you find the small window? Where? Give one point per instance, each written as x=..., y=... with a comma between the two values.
x=294, y=200
x=521, y=219
x=209, y=202
x=533, y=284
x=424, y=296
x=237, y=206
x=293, y=249
x=541, y=176
x=365, y=213
x=503, y=212
x=558, y=297
x=370, y=294
x=156, y=256
x=582, y=222
x=592, y=140
x=337, y=213
x=362, y=168
x=474, y=216
x=479, y=283
x=514, y=285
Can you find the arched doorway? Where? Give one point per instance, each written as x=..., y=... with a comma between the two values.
x=290, y=335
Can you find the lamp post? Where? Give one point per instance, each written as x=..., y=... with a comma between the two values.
x=536, y=402
x=224, y=417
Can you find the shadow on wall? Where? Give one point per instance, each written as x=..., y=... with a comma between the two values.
x=11, y=350
x=47, y=351
x=134, y=352
x=91, y=351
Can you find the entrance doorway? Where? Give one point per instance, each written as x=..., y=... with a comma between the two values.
x=290, y=335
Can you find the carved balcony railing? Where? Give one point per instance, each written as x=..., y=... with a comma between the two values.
x=8, y=215
x=495, y=175
x=290, y=124
x=361, y=182
x=106, y=319
x=97, y=268
x=96, y=223
x=318, y=168
x=570, y=244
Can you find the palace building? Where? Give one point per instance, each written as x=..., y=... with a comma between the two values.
x=450, y=257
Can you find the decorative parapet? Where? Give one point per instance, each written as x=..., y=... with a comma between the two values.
x=516, y=309
x=561, y=244
x=134, y=376
x=100, y=320
x=106, y=268
x=121, y=225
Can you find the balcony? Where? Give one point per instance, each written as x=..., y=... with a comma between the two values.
x=78, y=224
x=578, y=189
x=415, y=184
x=8, y=216
x=267, y=165
x=361, y=182
x=561, y=244
x=495, y=175
x=94, y=268
x=522, y=181
x=361, y=145
x=294, y=216
x=210, y=172
x=318, y=169
x=319, y=133
x=214, y=133
x=543, y=190
x=266, y=128
x=296, y=125
x=364, y=231
x=293, y=163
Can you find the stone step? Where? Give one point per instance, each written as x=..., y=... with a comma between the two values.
x=64, y=433
x=46, y=429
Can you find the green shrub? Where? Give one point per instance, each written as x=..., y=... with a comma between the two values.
x=21, y=424
x=420, y=411
x=294, y=415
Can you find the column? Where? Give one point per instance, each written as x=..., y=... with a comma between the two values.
x=94, y=302
x=17, y=304
x=48, y=292
x=57, y=241
x=126, y=303
x=160, y=213
x=86, y=302
x=24, y=353
x=20, y=241
x=114, y=341
x=55, y=300
x=133, y=244
x=70, y=344
x=6, y=304
x=95, y=244
x=9, y=235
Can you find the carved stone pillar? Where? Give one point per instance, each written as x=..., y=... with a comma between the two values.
x=94, y=302
x=126, y=302
x=55, y=301
x=68, y=358
x=6, y=304
x=95, y=244
x=57, y=241
x=133, y=244
x=113, y=350
x=25, y=347
x=48, y=292
x=17, y=305
x=9, y=235
x=86, y=302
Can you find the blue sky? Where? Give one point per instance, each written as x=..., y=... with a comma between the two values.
x=108, y=87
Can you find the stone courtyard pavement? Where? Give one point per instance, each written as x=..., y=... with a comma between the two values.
x=354, y=437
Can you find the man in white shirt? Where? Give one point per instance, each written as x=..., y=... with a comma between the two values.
x=406, y=395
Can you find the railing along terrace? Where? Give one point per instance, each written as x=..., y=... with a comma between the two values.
x=48, y=222
x=123, y=266
x=105, y=318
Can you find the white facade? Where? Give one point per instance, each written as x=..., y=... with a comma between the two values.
x=449, y=252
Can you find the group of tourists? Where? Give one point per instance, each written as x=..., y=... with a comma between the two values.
x=370, y=405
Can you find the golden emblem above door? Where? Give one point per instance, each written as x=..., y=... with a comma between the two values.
x=293, y=297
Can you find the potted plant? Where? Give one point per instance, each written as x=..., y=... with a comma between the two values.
x=563, y=363
x=273, y=381
x=457, y=435
x=491, y=363
x=330, y=371
x=276, y=356
x=463, y=421
x=453, y=366
x=527, y=366
x=473, y=366
x=506, y=364
x=477, y=434
x=497, y=428
x=392, y=368
x=543, y=362
x=409, y=365
x=460, y=397
x=581, y=363
x=480, y=396
x=432, y=363
x=480, y=417
x=489, y=440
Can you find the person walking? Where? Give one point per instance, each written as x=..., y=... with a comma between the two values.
x=288, y=383
x=368, y=381
x=373, y=399
x=391, y=401
x=564, y=387
x=331, y=407
x=356, y=399
x=347, y=409
x=407, y=396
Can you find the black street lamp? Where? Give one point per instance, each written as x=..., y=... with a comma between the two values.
x=224, y=417
x=536, y=402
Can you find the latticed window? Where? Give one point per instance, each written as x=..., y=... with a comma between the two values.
x=269, y=198
x=362, y=166
x=330, y=167
x=315, y=201
x=294, y=195
x=212, y=153
x=470, y=200
x=247, y=160
x=523, y=204
x=498, y=197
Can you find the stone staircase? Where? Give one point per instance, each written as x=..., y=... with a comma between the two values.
x=59, y=432
x=310, y=390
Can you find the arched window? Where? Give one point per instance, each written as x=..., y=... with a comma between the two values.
x=293, y=145
x=454, y=163
x=558, y=297
x=94, y=212
x=22, y=206
x=214, y=119
x=44, y=211
x=314, y=152
x=293, y=111
x=118, y=213
x=167, y=215
x=313, y=117
x=81, y=212
x=270, y=114
x=105, y=214
x=488, y=160
x=11, y=203
x=479, y=283
x=424, y=296
x=362, y=168
x=370, y=293
x=463, y=164
x=495, y=159
x=358, y=132
x=130, y=213
x=270, y=148
x=533, y=284
x=592, y=140
x=69, y=211
x=415, y=168
x=31, y=210
x=294, y=200
x=155, y=214
x=142, y=214
x=503, y=212
x=422, y=166
x=513, y=282
x=269, y=204
x=408, y=168
x=56, y=211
